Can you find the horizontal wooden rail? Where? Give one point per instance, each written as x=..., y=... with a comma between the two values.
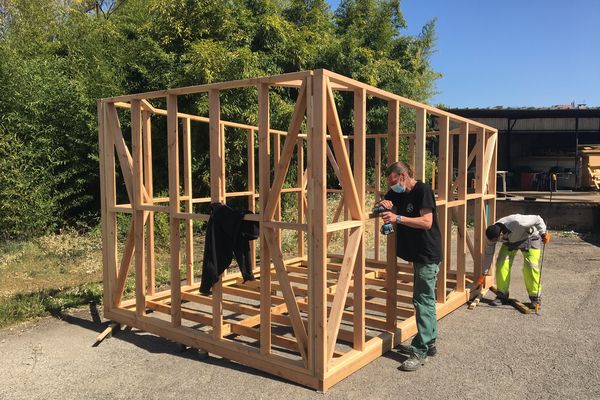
x=343, y=225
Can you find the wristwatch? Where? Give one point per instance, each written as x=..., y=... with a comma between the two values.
x=398, y=219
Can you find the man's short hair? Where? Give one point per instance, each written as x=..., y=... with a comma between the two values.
x=399, y=167
x=493, y=232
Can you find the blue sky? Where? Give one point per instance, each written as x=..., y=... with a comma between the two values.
x=512, y=53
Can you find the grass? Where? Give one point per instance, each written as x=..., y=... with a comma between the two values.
x=54, y=273
x=48, y=275
x=25, y=306
x=49, y=262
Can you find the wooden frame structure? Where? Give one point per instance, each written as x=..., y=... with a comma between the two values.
x=315, y=317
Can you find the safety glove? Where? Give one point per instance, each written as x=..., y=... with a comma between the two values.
x=545, y=237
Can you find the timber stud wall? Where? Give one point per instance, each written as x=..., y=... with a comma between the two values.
x=316, y=317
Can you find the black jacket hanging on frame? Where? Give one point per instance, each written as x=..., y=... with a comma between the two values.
x=227, y=234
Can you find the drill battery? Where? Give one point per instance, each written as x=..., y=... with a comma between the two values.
x=387, y=228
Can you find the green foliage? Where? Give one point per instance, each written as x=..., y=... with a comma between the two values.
x=26, y=207
x=58, y=57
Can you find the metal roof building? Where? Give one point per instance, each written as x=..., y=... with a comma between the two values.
x=540, y=140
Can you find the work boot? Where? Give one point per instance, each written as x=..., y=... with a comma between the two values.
x=535, y=300
x=413, y=362
x=408, y=349
x=431, y=350
x=500, y=299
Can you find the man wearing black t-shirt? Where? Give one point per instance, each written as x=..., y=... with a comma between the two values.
x=418, y=241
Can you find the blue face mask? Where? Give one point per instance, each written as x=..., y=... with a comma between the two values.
x=398, y=188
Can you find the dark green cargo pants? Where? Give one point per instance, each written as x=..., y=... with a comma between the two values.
x=424, y=301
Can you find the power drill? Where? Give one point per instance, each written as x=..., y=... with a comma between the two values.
x=388, y=228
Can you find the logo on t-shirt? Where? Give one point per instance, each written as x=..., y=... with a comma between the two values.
x=409, y=208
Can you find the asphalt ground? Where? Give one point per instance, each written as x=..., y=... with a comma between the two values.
x=490, y=352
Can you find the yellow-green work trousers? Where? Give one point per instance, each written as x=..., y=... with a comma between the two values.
x=531, y=269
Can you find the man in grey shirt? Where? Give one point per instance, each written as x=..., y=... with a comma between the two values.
x=516, y=232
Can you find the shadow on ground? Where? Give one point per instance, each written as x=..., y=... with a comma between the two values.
x=156, y=344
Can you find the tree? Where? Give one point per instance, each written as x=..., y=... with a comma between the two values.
x=57, y=57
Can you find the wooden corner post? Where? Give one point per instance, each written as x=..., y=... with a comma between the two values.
x=317, y=223
x=445, y=170
x=217, y=194
x=392, y=257
x=264, y=183
x=173, y=148
x=360, y=132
